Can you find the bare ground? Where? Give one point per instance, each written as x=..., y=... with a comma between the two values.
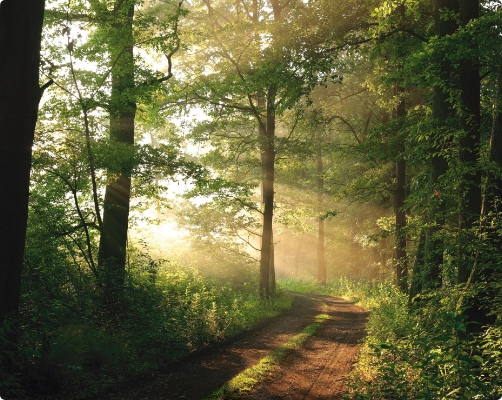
x=316, y=371
x=319, y=368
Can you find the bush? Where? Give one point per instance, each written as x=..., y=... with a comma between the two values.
x=10, y=382
x=425, y=353
x=165, y=312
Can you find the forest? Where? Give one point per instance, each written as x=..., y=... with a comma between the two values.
x=172, y=171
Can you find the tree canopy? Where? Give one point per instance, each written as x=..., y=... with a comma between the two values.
x=184, y=157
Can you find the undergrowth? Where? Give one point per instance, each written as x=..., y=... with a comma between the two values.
x=422, y=351
x=163, y=317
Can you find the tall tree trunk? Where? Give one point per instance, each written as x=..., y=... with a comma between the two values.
x=416, y=284
x=321, y=254
x=399, y=201
x=297, y=257
x=267, y=134
x=487, y=273
x=427, y=269
x=20, y=38
x=493, y=198
x=272, y=264
x=113, y=240
x=470, y=189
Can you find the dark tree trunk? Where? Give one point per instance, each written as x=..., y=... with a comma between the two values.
x=427, y=271
x=399, y=202
x=321, y=254
x=267, y=135
x=20, y=38
x=487, y=275
x=470, y=190
x=113, y=240
x=416, y=284
x=272, y=264
x=493, y=197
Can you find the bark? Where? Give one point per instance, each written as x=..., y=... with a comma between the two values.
x=272, y=264
x=494, y=195
x=427, y=271
x=321, y=254
x=487, y=274
x=470, y=120
x=382, y=244
x=399, y=202
x=492, y=201
x=297, y=257
x=416, y=284
x=20, y=38
x=267, y=135
x=113, y=240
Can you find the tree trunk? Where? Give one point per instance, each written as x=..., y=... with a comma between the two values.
x=20, y=38
x=272, y=264
x=427, y=272
x=493, y=198
x=297, y=257
x=267, y=135
x=321, y=254
x=416, y=284
x=113, y=240
x=487, y=274
x=470, y=189
x=399, y=199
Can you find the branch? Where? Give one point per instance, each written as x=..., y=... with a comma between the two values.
x=414, y=34
x=251, y=232
x=246, y=241
x=171, y=53
x=82, y=251
x=215, y=103
x=90, y=155
x=73, y=229
x=44, y=87
x=250, y=99
x=367, y=124
x=248, y=205
x=346, y=123
x=380, y=37
x=49, y=292
x=352, y=94
x=250, y=16
x=239, y=252
x=68, y=16
x=297, y=118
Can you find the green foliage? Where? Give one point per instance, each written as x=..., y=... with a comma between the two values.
x=331, y=104
x=424, y=353
x=167, y=312
x=416, y=353
x=10, y=381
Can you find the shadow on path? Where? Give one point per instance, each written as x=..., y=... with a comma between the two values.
x=197, y=376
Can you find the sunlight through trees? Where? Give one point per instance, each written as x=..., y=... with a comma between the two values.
x=168, y=168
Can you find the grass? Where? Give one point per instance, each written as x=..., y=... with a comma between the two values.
x=164, y=319
x=367, y=294
x=416, y=353
x=247, y=379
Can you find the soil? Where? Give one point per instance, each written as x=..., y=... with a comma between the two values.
x=316, y=371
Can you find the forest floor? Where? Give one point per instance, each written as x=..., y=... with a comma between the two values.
x=316, y=370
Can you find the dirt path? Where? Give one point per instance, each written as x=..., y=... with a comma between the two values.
x=316, y=371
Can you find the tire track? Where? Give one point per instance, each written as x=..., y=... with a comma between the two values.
x=318, y=370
